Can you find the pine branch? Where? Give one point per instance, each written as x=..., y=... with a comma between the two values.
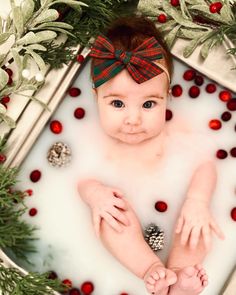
x=12, y=282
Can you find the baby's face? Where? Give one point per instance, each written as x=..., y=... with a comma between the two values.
x=130, y=112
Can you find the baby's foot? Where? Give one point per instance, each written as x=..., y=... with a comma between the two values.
x=158, y=279
x=191, y=281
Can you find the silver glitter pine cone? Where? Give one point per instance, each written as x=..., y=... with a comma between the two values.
x=154, y=237
x=59, y=154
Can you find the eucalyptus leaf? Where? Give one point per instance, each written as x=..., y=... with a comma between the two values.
x=46, y=16
x=25, y=60
x=3, y=78
x=171, y=36
x=62, y=31
x=205, y=11
x=9, y=121
x=74, y=4
x=184, y=9
x=55, y=24
x=27, y=7
x=7, y=90
x=167, y=26
x=226, y=13
x=38, y=59
x=29, y=38
x=3, y=109
x=17, y=60
x=191, y=34
x=207, y=46
x=45, y=35
x=45, y=2
x=40, y=102
x=2, y=58
x=28, y=87
x=4, y=37
x=8, y=23
x=37, y=47
x=18, y=20
x=188, y=50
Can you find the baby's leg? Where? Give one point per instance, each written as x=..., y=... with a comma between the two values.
x=131, y=249
x=187, y=264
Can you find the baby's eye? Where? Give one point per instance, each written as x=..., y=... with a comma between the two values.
x=117, y=103
x=149, y=104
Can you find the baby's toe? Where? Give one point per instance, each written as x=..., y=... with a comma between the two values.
x=151, y=280
x=155, y=276
x=150, y=288
x=161, y=273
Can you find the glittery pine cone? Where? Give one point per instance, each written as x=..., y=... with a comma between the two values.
x=59, y=154
x=154, y=237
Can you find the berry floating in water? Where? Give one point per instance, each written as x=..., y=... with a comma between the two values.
x=5, y=99
x=189, y=75
x=177, y=90
x=74, y=91
x=74, y=291
x=79, y=113
x=210, y=88
x=35, y=175
x=199, y=80
x=194, y=91
x=225, y=95
x=80, y=58
x=52, y=275
x=215, y=124
x=161, y=18
x=2, y=158
x=87, y=288
x=29, y=192
x=221, y=154
x=56, y=126
x=174, y=3
x=226, y=116
x=233, y=214
x=215, y=7
x=169, y=115
x=67, y=282
x=233, y=152
x=161, y=206
x=231, y=104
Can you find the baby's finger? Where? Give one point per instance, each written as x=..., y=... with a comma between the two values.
x=120, y=203
x=119, y=216
x=194, y=237
x=206, y=234
x=179, y=225
x=112, y=222
x=185, y=234
x=217, y=229
x=96, y=224
x=117, y=193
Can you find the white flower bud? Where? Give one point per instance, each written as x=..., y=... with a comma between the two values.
x=39, y=77
x=25, y=73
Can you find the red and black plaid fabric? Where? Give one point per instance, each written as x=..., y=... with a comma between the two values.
x=109, y=61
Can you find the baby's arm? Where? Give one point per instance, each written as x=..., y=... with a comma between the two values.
x=105, y=202
x=195, y=217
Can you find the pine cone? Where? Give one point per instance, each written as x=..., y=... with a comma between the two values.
x=154, y=237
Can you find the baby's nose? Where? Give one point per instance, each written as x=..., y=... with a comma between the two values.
x=133, y=118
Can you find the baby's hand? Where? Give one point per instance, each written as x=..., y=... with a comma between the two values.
x=195, y=220
x=108, y=204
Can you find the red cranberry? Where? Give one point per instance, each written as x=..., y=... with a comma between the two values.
x=231, y=104
x=215, y=7
x=221, y=154
x=189, y=75
x=67, y=282
x=199, y=80
x=2, y=158
x=233, y=214
x=177, y=90
x=194, y=91
x=5, y=99
x=174, y=2
x=35, y=175
x=56, y=126
x=225, y=95
x=124, y=294
x=226, y=116
x=52, y=275
x=215, y=124
x=161, y=206
x=210, y=88
x=29, y=192
x=79, y=113
x=161, y=18
x=80, y=58
x=33, y=212
x=74, y=91
x=87, y=288
x=74, y=291
x=169, y=115
x=233, y=152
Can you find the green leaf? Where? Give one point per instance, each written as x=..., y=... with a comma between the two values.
x=38, y=59
x=74, y=4
x=167, y=26
x=45, y=36
x=27, y=87
x=46, y=16
x=2, y=57
x=45, y=2
x=62, y=31
x=37, y=47
x=226, y=13
x=207, y=46
x=25, y=60
x=188, y=50
x=27, y=39
x=18, y=20
x=27, y=7
x=171, y=36
x=55, y=24
x=191, y=34
x=4, y=37
x=40, y=102
x=17, y=60
x=3, y=109
x=8, y=120
x=3, y=79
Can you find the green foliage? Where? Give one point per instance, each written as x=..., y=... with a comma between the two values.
x=192, y=20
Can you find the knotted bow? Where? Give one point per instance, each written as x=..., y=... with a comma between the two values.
x=109, y=61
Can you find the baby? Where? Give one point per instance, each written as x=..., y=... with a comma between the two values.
x=131, y=70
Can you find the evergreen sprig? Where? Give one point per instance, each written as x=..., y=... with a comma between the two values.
x=12, y=282
x=192, y=20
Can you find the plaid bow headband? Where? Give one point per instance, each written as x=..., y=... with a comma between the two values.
x=110, y=61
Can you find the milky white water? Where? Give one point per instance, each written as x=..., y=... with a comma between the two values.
x=67, y=241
